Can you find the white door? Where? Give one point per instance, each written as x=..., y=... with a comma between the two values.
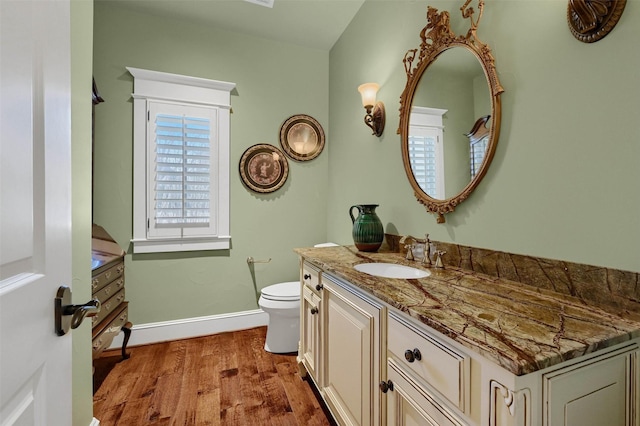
x=35, y=210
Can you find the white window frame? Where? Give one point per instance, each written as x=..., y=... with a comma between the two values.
x=158, y=87
x=424, y=121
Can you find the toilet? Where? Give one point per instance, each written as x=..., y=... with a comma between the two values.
x=282, y=303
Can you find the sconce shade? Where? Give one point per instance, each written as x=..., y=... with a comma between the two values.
x=368, y=92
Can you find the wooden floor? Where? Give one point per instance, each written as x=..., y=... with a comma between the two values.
x=224, y=379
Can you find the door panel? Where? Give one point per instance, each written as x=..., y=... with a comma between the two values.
x=35, y=210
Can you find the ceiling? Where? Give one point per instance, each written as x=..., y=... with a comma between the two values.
x=311, y=23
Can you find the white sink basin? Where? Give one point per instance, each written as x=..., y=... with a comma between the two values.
x=391, y=270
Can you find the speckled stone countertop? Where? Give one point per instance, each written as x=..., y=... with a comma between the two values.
x=519, y=327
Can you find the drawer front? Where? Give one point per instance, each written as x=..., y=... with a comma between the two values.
x=108, y=307
x=102, y=279
x=441, y=367
x=408, y=403
x=311, y=278
x=109, y=290
x=105, y=337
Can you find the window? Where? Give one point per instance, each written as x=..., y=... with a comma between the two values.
x=181, y=163
x=426, y=153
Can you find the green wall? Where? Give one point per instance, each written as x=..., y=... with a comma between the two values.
x=274, y=81
x=564, y=181
x=81, y=54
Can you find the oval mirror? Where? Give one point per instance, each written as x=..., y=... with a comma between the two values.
x=449, y=113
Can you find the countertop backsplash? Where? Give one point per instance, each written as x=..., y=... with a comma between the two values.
x=606, y=287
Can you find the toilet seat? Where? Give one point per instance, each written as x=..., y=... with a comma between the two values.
x=285, y=292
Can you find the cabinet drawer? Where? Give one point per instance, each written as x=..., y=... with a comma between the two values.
x=109, y=290
x=311, y=278
x=410, y=404
x=107, y=307
x=444, y=369
x=103, y=338
x=103, y=278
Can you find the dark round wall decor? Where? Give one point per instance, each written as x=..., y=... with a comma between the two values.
x=591, y=20
x=263, y=168
x=302, y=137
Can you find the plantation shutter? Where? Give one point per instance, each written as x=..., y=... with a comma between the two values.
x=182, y=153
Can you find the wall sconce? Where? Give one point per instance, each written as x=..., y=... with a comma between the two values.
x=375, y=117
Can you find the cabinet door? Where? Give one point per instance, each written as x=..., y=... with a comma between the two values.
x=352, y=362
x=597, y=392
x=310, y=331
x=410, y=404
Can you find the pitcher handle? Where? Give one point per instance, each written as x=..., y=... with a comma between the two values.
x=353, y=219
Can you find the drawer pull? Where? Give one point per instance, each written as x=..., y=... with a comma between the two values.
x=307, y=276
x=319, y=287
x=386, y=386
x=314, y=310
x=412, y=355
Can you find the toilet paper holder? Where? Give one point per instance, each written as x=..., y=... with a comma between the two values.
x=251, y=261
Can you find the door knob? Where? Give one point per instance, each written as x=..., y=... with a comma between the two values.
x=68, y=316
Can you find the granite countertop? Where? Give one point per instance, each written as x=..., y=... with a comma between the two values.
x=521, y=328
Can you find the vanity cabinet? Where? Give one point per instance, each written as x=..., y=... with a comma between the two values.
x=422, y=370
x=309, y=351
x=353, y=348
x=376, y=365
x=601, y=391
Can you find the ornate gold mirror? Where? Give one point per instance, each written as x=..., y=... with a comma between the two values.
x=449, y=112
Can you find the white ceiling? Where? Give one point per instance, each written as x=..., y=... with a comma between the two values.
x=312, y=23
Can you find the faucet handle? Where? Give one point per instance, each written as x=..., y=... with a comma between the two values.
x=409, y=255
x=439, y=254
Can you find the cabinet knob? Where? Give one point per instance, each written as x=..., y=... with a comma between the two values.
x=314, y=310
x=386, y=386
x=319, y=287
x=307, y=276
x=412, y=355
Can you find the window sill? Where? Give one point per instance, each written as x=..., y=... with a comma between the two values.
x=182, y=244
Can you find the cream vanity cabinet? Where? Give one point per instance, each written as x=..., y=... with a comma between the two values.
x=341, y=347
x=375, y=365
x=432, y=380
x=309, y=351
x=353, y=350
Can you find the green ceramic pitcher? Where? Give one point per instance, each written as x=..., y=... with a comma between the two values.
x=367, y=228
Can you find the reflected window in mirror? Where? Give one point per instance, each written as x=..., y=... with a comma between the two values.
x=478, y=141
x=426, y=152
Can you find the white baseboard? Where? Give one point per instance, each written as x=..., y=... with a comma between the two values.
x=143, y=334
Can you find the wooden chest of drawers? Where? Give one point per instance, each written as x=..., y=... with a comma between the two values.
x=107, y=285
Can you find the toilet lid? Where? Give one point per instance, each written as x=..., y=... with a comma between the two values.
x=282, y=291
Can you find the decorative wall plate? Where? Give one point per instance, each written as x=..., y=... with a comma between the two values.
x=263, y=168
x=591, y=20
x=302, y=137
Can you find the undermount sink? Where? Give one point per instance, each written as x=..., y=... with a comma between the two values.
x=391, y=270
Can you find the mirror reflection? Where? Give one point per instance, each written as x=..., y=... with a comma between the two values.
x=449, y=111
x=448, y=125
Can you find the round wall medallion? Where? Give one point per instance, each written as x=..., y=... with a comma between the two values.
x=301, y=137
x=591, y=20
x=263, y=168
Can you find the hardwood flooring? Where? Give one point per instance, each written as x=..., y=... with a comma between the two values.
x=223, y=379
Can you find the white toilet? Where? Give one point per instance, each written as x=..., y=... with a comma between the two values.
x=282, y=303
